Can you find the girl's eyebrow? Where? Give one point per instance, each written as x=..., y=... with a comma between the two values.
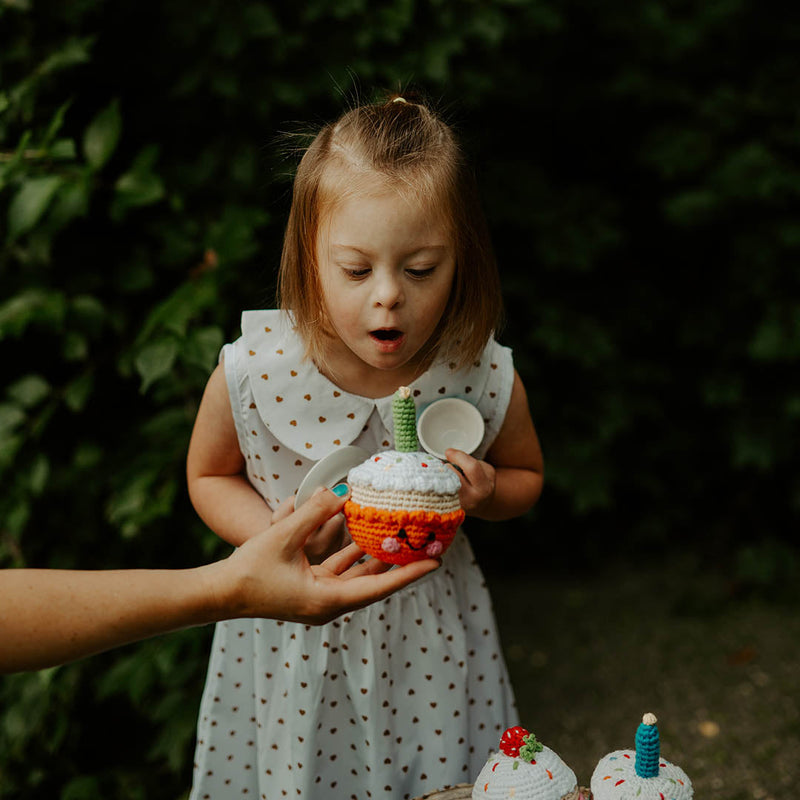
x=360, y=251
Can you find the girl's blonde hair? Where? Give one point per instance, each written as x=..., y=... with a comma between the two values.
x=415, y=152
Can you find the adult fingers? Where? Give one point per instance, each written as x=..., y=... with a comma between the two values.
x=343, y=559
x=369, y=588
x=283, y=510
x=319, y=508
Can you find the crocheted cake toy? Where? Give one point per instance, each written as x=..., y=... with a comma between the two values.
x=404, y=504
x=640, y=774
x=526, y=770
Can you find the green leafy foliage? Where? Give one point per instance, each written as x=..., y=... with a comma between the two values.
x=638, y=165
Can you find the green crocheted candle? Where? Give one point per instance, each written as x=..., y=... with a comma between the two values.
x=404, y=413
x=648, y=747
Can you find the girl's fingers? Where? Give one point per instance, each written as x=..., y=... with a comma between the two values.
x=469, y=468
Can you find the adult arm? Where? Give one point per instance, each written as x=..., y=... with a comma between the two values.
x=49, y=617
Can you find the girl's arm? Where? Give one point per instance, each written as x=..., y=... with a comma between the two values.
x=50, y=617
x=510, y=480
x=218, y=487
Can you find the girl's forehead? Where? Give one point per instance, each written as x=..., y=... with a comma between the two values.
x=383, y=198
x=391, y=219
x=344, y=182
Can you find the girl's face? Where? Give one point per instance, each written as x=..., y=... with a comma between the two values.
x=386, y=265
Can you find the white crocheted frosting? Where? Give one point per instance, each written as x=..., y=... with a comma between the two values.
x=615, y=778
x=391, y=470
x=546, y=778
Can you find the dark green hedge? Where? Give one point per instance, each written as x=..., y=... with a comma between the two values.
x=639, y=164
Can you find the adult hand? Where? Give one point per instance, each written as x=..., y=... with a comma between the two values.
x=270, y=574
x=326, y=540
x=51, y=616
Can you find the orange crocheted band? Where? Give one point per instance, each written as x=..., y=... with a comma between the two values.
x=400, y=536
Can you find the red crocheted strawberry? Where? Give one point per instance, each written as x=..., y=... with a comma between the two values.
x=512, y=740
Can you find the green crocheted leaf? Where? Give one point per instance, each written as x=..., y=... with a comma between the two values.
x=531, y=747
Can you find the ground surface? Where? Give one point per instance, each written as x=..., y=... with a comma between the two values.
x=589, y=653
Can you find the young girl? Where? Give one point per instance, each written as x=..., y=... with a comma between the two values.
x=387, y=279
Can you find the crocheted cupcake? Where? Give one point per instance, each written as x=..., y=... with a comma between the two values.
x=404, y=504
x=526, y=770
x=640, y=774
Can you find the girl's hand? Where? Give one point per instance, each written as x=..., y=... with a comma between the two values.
x=478, y=481
x=329, y=538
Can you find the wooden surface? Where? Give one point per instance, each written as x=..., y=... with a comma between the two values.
x=463, y=791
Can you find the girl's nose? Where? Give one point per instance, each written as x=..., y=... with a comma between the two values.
x=388, y=291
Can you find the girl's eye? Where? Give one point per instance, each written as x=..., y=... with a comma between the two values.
x=420, y=273
x=356, y=273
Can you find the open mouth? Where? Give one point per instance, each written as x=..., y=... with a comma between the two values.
x=386, y=334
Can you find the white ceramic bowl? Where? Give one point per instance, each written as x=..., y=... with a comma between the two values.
x=450, y=422
x=329, y=471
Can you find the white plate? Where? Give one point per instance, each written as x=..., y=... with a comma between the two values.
x=329, y=471
x=450, y=422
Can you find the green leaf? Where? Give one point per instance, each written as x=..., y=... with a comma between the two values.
x=72, y=202
x=10, y=167
x=38, y=475
x=78, y=391
x=85, y=787
x=101, y=137
x=30, y=202
x=74, y=346
x=777, y=337
x=202, y=347
x=691, y=207
x=9, y=447
x=17, y=518
x=63, y=150
x=87, y=455
x=11, y=417
x=140, y=185
x=30, y=306
x=155, y=360
x=55, y=126
x=29, y=390
x=233, y=236
x=180, y=308
x=131, y=499
x=138, y=189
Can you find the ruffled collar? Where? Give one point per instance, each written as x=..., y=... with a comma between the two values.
x=309, y=413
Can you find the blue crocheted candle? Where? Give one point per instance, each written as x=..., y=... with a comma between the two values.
x=648, y=749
